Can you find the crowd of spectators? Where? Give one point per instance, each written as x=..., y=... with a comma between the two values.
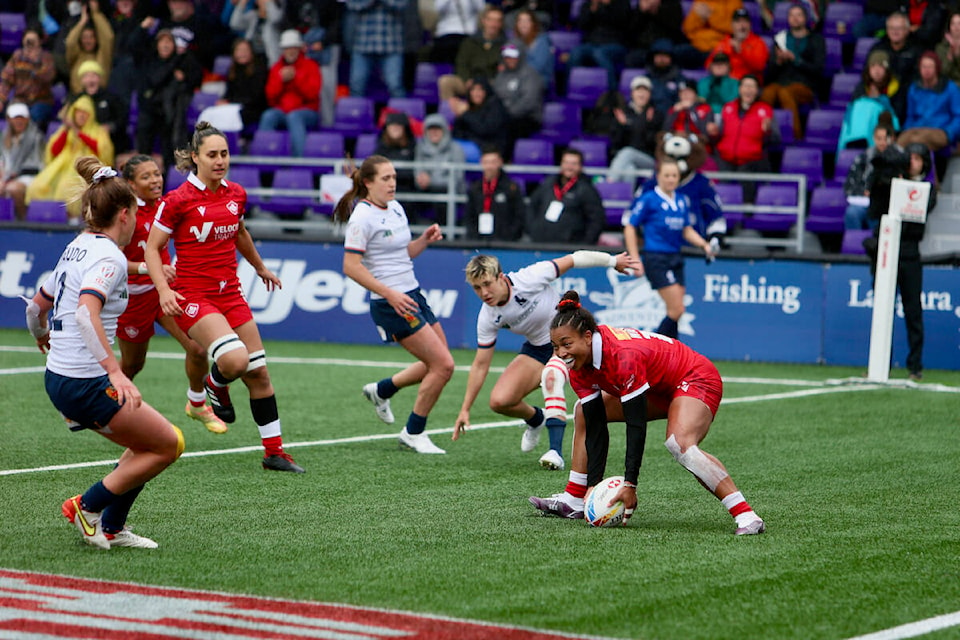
x=706, y=68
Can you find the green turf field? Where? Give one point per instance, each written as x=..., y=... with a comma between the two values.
x=858, y=487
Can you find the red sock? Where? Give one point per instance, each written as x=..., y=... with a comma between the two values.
x=273, y=446
x=196, y=404
x=576, y=490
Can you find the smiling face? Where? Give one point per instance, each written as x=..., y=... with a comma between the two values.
x=575, y=349
x=212, y=160
x=570, y=166
x=147, y=181
x=383, y=187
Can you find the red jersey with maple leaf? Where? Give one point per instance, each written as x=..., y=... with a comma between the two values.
x=134, y=251
x=631, y=362
x=204, y=226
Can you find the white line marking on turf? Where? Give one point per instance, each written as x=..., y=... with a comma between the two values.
x=914, y=629
x=10, y=372
x=393, y=436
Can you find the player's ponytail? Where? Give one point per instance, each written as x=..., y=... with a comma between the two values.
x=571, y=312
x=105, y=195
x=360, y=177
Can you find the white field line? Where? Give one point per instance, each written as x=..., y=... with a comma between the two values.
x=915, y=629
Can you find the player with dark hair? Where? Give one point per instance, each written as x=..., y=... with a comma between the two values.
x=523, y=301
x=136, y=325
x=204, y=216
x=86, y=293
x=378, y=255
x=635, y=376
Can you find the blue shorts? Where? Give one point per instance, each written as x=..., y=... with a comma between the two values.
x=541, y=354
x=85, y=403
x=664, y=269
x=393, y=327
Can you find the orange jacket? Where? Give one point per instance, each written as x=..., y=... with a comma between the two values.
x=751, y=60
x=705, y=34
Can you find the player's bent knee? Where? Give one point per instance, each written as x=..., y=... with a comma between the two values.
x=230, y=354
x=693, y=460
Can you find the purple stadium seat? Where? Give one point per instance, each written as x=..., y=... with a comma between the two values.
x=827, y=205
x=198, y=103
x=853, y=240
x=780, y=11
x=860, y=52
x=444, y=109
x=12, y=26
x=841, y=89
x=756, y=23
x=627, y=76
x=173, y=179
x=6, y=209
x=823, y=129
x=47, y=211
x=532, y=151
x=563, y=43
x=731, y=195
x=366, y=144
x=616, y=197
x=233, y=141
x=834, y=60
x=425, y=82
x=247, y=177
x=269, y=143
x=414, y=107
x=290, y=178
x=221, y=65
x=594, y=151
x=842, y=166
x=353, y=115
x=839, y=18
x=695, y=75
x=773, y=195
x=805, y=160
x=784, y=118
x=324, y=144
x=585, y=85
x=562, y=122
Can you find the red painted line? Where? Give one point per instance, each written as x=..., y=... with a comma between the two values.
x=71, y=607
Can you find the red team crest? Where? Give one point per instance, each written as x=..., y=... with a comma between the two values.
x=192, y=309
x=233, y=207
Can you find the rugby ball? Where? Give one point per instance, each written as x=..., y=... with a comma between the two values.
x=595, y=509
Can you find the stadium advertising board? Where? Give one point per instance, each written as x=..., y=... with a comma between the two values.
x=775, y=311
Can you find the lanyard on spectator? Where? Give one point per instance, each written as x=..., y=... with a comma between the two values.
x=559, y=191
x=489, y=188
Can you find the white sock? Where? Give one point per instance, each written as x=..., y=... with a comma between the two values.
x=196, y=396
x=739, y=509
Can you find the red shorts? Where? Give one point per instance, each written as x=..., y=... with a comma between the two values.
x=702, y=382
x=137, y=322
x=230, y=304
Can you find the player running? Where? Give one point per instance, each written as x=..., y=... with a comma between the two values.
x=524, y=302
x=136, y=325
x=378, y=255
x=204, y=216
x=87, y=292
x=647, y=376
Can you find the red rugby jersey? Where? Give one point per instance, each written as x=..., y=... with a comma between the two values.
x=134, y=251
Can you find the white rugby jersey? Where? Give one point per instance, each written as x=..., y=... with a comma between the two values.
x=91, y=263
x=529, y=309
x=381, y=236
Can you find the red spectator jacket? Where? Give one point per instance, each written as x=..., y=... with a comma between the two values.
x=742, y=139
x=751, y=59
x=303, y=92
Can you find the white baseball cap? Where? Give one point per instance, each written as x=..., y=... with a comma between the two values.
x=17, y=110
x=290, y=38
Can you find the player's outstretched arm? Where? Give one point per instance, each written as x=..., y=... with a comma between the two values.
x=475, y=380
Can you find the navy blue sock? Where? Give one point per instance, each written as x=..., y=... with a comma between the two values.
x=97, y=498
x=386, y=389
x=114, y=517
x=555, y=429
x=416, y=424
x=536, y=419
x=668, y=327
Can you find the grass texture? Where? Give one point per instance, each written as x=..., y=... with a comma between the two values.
x=858, y=487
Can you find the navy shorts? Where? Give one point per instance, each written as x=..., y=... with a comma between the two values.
x=85, y=403
x=541, y=354
x=664, y=269
x=393, y=327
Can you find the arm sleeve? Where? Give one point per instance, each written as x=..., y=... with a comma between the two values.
x=598, y=438
x=635, y=415
x=356, y=237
